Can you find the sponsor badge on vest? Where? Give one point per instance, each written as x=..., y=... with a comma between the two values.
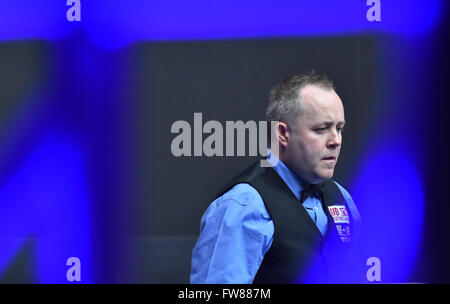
x=340, y=216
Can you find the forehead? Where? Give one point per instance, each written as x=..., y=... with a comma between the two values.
x=321, y=105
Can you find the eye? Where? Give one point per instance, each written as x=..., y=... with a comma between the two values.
x=340, y=129
x=320, y=130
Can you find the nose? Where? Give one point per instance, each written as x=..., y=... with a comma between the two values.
x=334, y=140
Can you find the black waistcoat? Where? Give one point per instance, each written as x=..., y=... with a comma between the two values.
x=299, y=251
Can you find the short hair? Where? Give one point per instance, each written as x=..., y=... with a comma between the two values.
x=284, y=99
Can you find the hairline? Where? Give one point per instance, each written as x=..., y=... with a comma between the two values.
x=300, y=100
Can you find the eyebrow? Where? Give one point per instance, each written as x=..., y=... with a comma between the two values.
x=330, y=123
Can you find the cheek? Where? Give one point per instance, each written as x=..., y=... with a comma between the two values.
x=308, y=149
x=315, y=147
x=313, y=150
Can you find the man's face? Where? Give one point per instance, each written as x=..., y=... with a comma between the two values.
x=314, y=143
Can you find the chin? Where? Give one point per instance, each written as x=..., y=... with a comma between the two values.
x=325, y=176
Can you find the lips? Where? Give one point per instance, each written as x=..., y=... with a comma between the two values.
x=329, y=158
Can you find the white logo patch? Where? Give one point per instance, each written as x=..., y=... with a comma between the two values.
x=339, y=214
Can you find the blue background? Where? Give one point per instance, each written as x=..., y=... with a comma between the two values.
x=86, y=108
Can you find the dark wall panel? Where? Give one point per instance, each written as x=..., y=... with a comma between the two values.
x=229, y=80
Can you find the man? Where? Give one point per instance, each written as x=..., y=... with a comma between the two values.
x=289, y=223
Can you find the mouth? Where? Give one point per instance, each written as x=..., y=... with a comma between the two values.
x=330, y=158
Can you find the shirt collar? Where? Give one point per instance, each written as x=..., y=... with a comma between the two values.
x=289, y=177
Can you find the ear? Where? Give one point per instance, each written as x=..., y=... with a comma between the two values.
x=283, y=133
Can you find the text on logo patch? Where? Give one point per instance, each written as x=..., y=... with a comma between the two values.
x=339, y=214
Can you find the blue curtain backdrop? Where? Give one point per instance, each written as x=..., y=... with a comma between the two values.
x=86, y=108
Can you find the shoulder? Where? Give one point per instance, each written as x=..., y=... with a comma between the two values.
x=240, y=202
x=243, y=194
